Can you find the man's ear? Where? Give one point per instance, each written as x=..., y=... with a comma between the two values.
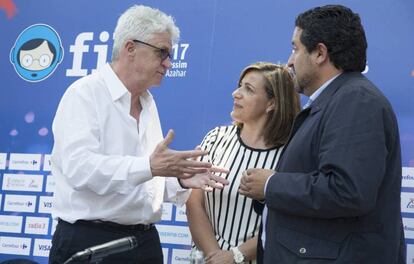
x=321, y=52
x=129, y=46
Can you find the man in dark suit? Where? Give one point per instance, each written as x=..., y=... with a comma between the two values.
x=335, y=195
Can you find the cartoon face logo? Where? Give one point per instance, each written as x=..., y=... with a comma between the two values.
x=36, y=53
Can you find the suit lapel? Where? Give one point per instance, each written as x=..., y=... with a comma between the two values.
x=325, y=96
x=319, y=104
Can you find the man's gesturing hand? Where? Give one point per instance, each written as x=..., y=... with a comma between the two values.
x=168, y=162
x=207, y=181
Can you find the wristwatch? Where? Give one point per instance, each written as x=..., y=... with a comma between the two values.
x=237, y=255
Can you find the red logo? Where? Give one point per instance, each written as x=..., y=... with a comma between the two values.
x=9, y=7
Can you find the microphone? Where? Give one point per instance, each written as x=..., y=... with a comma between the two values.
x=97, y=253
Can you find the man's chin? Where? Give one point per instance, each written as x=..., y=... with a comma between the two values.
x=157, y=84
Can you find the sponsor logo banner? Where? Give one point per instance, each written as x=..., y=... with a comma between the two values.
x=19, y=161
x=10, y=224
x=180, y=214
x=407, y=202
x=37, y=225
x=180, y=256
x=408, y=227
x=3, y=159
x=165, y=254
x=166, y=211
x=22, y=182
x=42, y=247
x=50, y=184
x=410, y=253
x=47, y=163
x=54, y=224
x=15, y=245
x=407, y=177
x=174, y=234
x=45, y=204
x=20, y=203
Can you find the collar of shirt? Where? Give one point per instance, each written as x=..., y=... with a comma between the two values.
x=120, y=93
x=117, y=89
x=322, y=88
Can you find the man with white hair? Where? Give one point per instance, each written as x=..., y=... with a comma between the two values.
x=110, y=161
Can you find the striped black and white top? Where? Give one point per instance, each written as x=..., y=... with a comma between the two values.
x=232, y=215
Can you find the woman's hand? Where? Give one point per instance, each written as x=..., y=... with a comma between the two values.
x=220, y=257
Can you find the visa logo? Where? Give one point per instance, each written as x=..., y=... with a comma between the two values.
x=45, y=247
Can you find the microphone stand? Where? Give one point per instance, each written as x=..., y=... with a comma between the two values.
x=97, y=253
x=96, y=261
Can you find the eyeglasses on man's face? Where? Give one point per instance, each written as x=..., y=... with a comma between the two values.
x=163, y=52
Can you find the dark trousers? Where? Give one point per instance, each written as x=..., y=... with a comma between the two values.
x=69, y=239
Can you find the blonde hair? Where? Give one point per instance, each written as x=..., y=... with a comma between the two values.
x=279, y=87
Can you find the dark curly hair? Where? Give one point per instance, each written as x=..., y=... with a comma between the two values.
x=340, y=30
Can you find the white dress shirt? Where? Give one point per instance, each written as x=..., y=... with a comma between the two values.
x=100, y=158
x=312, y=98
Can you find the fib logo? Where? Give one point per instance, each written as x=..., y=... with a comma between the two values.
x=36, y=53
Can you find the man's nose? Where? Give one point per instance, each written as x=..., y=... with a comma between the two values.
x=167, y=63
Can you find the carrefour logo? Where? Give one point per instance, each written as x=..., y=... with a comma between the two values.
x=20, y=203
x=15, y=245
x=408, y=224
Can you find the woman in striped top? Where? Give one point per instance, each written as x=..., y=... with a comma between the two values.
x=223, y=223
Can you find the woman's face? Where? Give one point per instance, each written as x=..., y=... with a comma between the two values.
x=251, y=102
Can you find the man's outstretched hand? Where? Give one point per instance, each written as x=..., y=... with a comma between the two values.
x=206, y=181
x=181, y=164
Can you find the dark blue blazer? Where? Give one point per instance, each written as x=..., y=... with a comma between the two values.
x=335, y=196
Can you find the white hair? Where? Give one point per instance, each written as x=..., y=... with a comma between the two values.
x=142, y=22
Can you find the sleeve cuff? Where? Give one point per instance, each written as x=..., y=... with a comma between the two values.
x=181, y=185
x=267, y=181
x=140, y=170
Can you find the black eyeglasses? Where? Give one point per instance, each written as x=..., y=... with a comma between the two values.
x=164, y=53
